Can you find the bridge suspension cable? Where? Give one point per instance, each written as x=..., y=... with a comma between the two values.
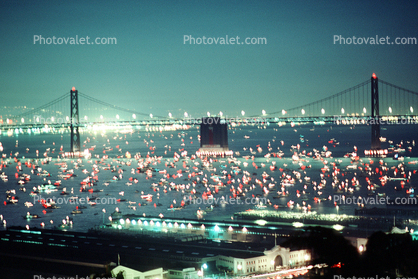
x=115, y=107
x=35, y=111
x=354, y=101
x=329, y=98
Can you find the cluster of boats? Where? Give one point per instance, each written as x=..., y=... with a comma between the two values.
x=299, y=182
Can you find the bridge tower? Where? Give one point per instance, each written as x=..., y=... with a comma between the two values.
x=75, y=135
x=375, y=113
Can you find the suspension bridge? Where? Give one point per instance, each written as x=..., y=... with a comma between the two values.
x=371, y=102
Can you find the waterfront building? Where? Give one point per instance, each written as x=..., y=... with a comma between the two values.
x=129, y=273
x=274, y=259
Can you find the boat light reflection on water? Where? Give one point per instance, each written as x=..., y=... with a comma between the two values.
x=196, y=173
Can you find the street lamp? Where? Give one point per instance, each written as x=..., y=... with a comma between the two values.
x=104, y=211
x=200, y=272
x=239, y=267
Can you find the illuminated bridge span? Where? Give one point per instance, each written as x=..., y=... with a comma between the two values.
x=372, y=99
x=357, y=101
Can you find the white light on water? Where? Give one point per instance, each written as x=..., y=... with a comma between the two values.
x=261, y=222
x=297, y=224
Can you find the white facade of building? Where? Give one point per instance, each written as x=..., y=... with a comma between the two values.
x=185, y=273
x=272, y=260
x=130, y=273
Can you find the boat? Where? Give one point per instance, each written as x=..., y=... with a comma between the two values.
x=45, y=187
x=174, y=208
x=12, y=200
x=146, y=197
x=209, y=208
x=200, y=213
x=30, y=216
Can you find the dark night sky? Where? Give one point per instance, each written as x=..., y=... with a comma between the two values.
x=151, y=70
